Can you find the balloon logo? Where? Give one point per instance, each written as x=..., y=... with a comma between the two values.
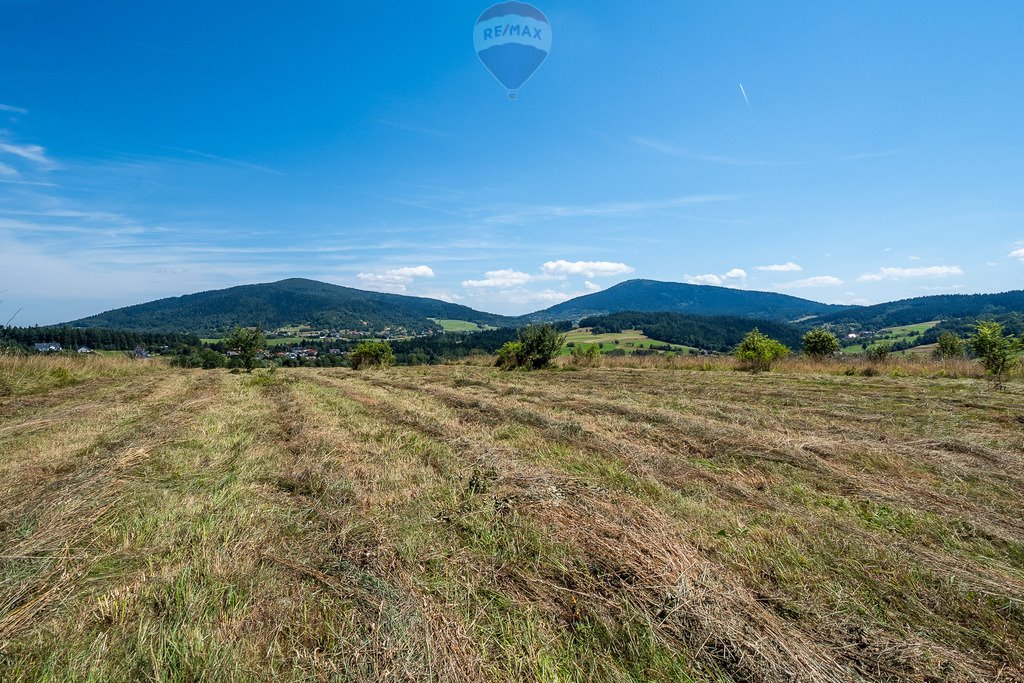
x=512, y=39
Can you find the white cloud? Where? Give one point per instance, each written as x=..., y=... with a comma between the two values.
x=586, y=268
x=502, y=278
x=546, y=296
x=706, y=279
x=909, y=273
x=716, y=280
x=13, y=109
x=816, y=281
x=789, y=267
x=441, y=296
x=914, y=258
x=941, y=288
x=1019, y=255
x=28, y=152
x=395, y=279
x=592, y=286
x=7, y=170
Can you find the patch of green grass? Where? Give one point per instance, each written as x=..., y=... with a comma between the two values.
x=627, y=340
x=893, y=335
x=460, y=325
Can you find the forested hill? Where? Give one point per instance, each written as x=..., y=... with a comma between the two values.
x=713, y=333
x=927, y=308
x=652, y=295
x=289, y=302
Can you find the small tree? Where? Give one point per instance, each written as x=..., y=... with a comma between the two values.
x=996, y=351
x=759, y=352
x=371, y=354
x=247, y=342
x=879, y=353
x=535, y=346
x=949, y=346
x=586, y=355
x=820, y=343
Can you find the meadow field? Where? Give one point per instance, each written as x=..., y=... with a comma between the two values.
x=457, y=523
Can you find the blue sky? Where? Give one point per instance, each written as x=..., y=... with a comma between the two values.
x=157, y=149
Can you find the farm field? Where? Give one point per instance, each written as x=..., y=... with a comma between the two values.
x=628, y=341
x=460, y=325
x=271, y=341
x=456, y=523
x=893, y=335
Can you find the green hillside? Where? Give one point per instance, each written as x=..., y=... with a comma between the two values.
x=712, y=333
x=655, y=296
x=288, y=303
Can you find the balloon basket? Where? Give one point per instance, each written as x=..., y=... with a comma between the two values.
x=512, y=95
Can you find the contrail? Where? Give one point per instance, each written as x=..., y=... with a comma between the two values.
x=744, y=93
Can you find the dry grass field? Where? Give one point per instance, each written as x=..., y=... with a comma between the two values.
x=455, y=523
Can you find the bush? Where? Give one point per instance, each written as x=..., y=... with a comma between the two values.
x=759, y=352
x=200, y=358
x=535, y=346
x=247, y=342
x=371, y=354
x=996, y=351
x=586, y=356
x=949, y=346
x=820, y=343
x=879, y=353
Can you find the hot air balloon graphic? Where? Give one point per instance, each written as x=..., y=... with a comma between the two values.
x=512, y=39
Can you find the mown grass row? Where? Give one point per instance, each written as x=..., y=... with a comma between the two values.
x=463, y=524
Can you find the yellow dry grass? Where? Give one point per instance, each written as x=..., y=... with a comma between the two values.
x=457, y=523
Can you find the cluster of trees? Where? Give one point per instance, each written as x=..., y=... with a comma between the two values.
x=97, y=338
x=938, y=307
x=713, y=333
x=534, y=347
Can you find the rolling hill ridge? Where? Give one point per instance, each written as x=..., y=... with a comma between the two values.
x=321, y=305
x=289, y=302
x=655, y=296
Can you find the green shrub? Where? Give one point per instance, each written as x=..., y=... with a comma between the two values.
x=586, y=356
x=820, y=343
x=996, y=351
x=949, y=346
x=372, y=354
x=759, y=352
x=534, y=347
x=247, y=342
x=879, y=353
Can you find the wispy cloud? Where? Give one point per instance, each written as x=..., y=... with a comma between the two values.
x=522, y=214
x=586, y=268
x=789, y=267
x=1018, y=254
x=668, y=148
x=868, y=155
x=33, y=153
x=911, y=273
x=940, y=288
x=413, y=129
x=11, y=108
x=815, y=281
x=227, y=160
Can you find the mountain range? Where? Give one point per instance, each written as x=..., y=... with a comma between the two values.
x=320, y=305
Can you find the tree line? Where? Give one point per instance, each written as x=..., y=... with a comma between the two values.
x=96, y=338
